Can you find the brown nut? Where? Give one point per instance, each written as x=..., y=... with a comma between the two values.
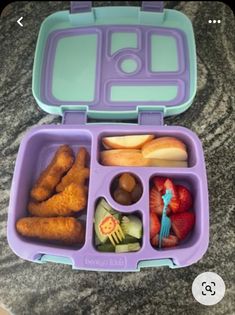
x=136, y=193
x=121, y=196
x=127, y=182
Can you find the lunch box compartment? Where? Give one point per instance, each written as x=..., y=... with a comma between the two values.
x=38, y=149
x=180, y=134
x=136, y=213
x=194, y=184
x=115, y=184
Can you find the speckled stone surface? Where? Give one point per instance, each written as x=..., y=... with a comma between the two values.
x=27, y=288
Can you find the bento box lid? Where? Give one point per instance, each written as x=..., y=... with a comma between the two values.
x=113, y=62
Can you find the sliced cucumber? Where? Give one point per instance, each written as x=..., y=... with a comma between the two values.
x=100, y=214
x=132, y=226
x=117, y=215
x=124, y=248
x=97, y=240
x=107, y=207
x=106, y=248
x=103, y=210
x=129, y=239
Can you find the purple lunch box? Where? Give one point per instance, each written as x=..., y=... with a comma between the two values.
x=114, y=65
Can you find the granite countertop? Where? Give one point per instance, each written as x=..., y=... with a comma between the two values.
x=28, y=288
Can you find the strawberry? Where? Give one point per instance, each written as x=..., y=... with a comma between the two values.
x=182, y=224
x=185, y=198
x=154, y=224
x=155, y=201
x=159, y=183
x=154, y=240
x=175, y=202
x=170, y=241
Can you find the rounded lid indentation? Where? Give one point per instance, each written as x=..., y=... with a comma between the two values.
x=129, y=64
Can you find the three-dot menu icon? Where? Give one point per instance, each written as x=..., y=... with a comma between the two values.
x=214, y=21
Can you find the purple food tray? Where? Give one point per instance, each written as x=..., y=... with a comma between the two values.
x=108, y=70
x=35, y=152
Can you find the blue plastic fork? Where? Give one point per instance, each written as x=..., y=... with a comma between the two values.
x=165, y=222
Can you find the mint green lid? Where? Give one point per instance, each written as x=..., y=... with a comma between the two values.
x=114, y=62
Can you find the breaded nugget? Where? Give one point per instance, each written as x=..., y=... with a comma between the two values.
x=78, y=172
x=51, y=176
x=72, y=199
x=66, y=230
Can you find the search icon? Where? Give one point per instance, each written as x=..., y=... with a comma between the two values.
x=208, y=288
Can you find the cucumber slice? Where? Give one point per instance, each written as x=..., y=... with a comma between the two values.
x=103, y=210
x=107, y=207
x=106, y=248
x=117, y=215
x=100, y=214
x=132, y=226
x=129, y=239
x=124, y=248
x=97, y=240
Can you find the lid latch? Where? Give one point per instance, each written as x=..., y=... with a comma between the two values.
x=85, y=6
x=80, y=6
x=154, y=118
x=81, y=13
x=74, y=117
x=152, y=6
x=152, y=12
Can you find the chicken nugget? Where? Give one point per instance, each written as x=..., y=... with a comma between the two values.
x=65, y=230
x=51, y=176
x=72, y=199
x=78, y=172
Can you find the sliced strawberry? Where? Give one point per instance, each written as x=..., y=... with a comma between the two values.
x=182, y=224
x=154, y=224
x=170, y=241
x=185, y=198
x=154, y=241
x=175, y=202
x=159, y=183
x=155, y=201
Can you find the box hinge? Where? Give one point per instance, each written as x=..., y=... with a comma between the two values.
x=54, y=259
x=154, y=118
x=152, y=6
x=81, y=13
x=152, y=12
x=76, y=117
x=156, y=263
x=80, y=6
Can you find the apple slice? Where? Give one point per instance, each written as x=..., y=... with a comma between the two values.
x=167, y=163
x=126, y=142
x=165, y=148
x=123, y=157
